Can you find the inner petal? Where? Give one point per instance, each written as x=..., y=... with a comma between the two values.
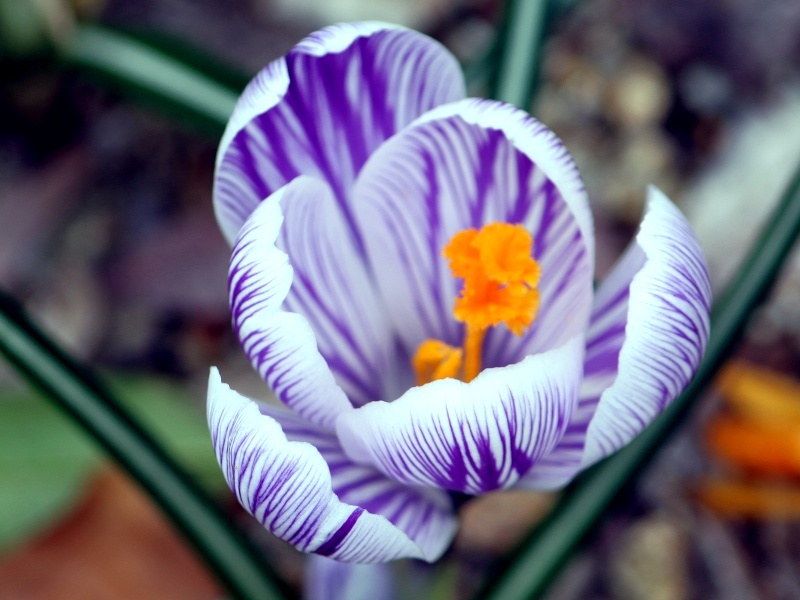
x=462, y=171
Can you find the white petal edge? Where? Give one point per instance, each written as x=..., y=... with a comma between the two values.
x=470, y=437
x=666, y=332
x=425, y=515
x=286, y=486
x=280, y=345
x=267, y=88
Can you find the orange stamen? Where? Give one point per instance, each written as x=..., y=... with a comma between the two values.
x=473, y=352
x=436, y=360
x=500, y=278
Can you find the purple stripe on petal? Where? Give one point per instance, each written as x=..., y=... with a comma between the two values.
x=471, y=438
x=332, y=290
x=666, y=330
x=443, y=175
x=286, y=486
x=334, y=543
x=324, y=108
x=425, y=515
x=665, y=254
x=280, y=345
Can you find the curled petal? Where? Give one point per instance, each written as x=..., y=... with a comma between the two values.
x=603, y=342
x=281, y=345
x=462, y=166
x=324, y=108
x=333, y=291
x=425, y=515
x=286, y=486
x=470, y=437
x=666, y=328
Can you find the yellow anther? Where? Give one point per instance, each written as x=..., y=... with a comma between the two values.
x=436, y=360
x=500, y=278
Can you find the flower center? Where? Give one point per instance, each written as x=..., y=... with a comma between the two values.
x=500, y=278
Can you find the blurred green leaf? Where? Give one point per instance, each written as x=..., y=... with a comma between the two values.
x=79, y=392
x=44, y=460
x=152, y=75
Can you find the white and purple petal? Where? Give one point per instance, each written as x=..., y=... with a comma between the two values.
x=462, y=166
x=286, y=486
x=604, y=339
x=649, y=328
x=281, y=345
x=425, y=515
x=333, y=291
x=324, y=108
x=666, y=330
x=470, y=437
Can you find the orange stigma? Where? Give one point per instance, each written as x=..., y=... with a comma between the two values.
x=500, y=278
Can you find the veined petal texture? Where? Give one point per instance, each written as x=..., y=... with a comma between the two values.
x=324, y=108
x=286, y=486
x=462, y=166
x=280, y=344
x=333, y=291
x=470, y=437
x=424, y=514
x=666, y=327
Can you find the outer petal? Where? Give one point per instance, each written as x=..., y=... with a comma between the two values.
x=281, y=345
x=425, y=515
x=649, y=330
x=328, y=579
x=331, y=288
x=464, y=165
x=603, y=342
x=665, y=334
x=474, y=437
x=286, y=486
x=324, y=108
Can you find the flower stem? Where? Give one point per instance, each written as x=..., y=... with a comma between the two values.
x=77, y=391
x=531, y=568
x=521, y=38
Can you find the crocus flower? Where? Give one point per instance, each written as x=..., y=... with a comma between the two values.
x=412, y=276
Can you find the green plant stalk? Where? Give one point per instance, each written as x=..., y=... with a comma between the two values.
x=520, y=39
x=539, y=559
x=73, y=388
x=151, y=74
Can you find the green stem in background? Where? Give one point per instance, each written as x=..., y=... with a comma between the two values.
x=539, y=559
x=72, y=387
x=152, y=74
x=521, y=38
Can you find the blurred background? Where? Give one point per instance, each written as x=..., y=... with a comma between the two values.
x=107, y=237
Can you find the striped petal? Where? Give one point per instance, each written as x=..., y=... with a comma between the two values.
x=470, y=437
x=332, y=290
x=324, y=108
x=281, y=345
x=286, y=486
x=666, y=330
x=425, y=515
x=603, y=342
x=461, y=166
x=649, y=329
